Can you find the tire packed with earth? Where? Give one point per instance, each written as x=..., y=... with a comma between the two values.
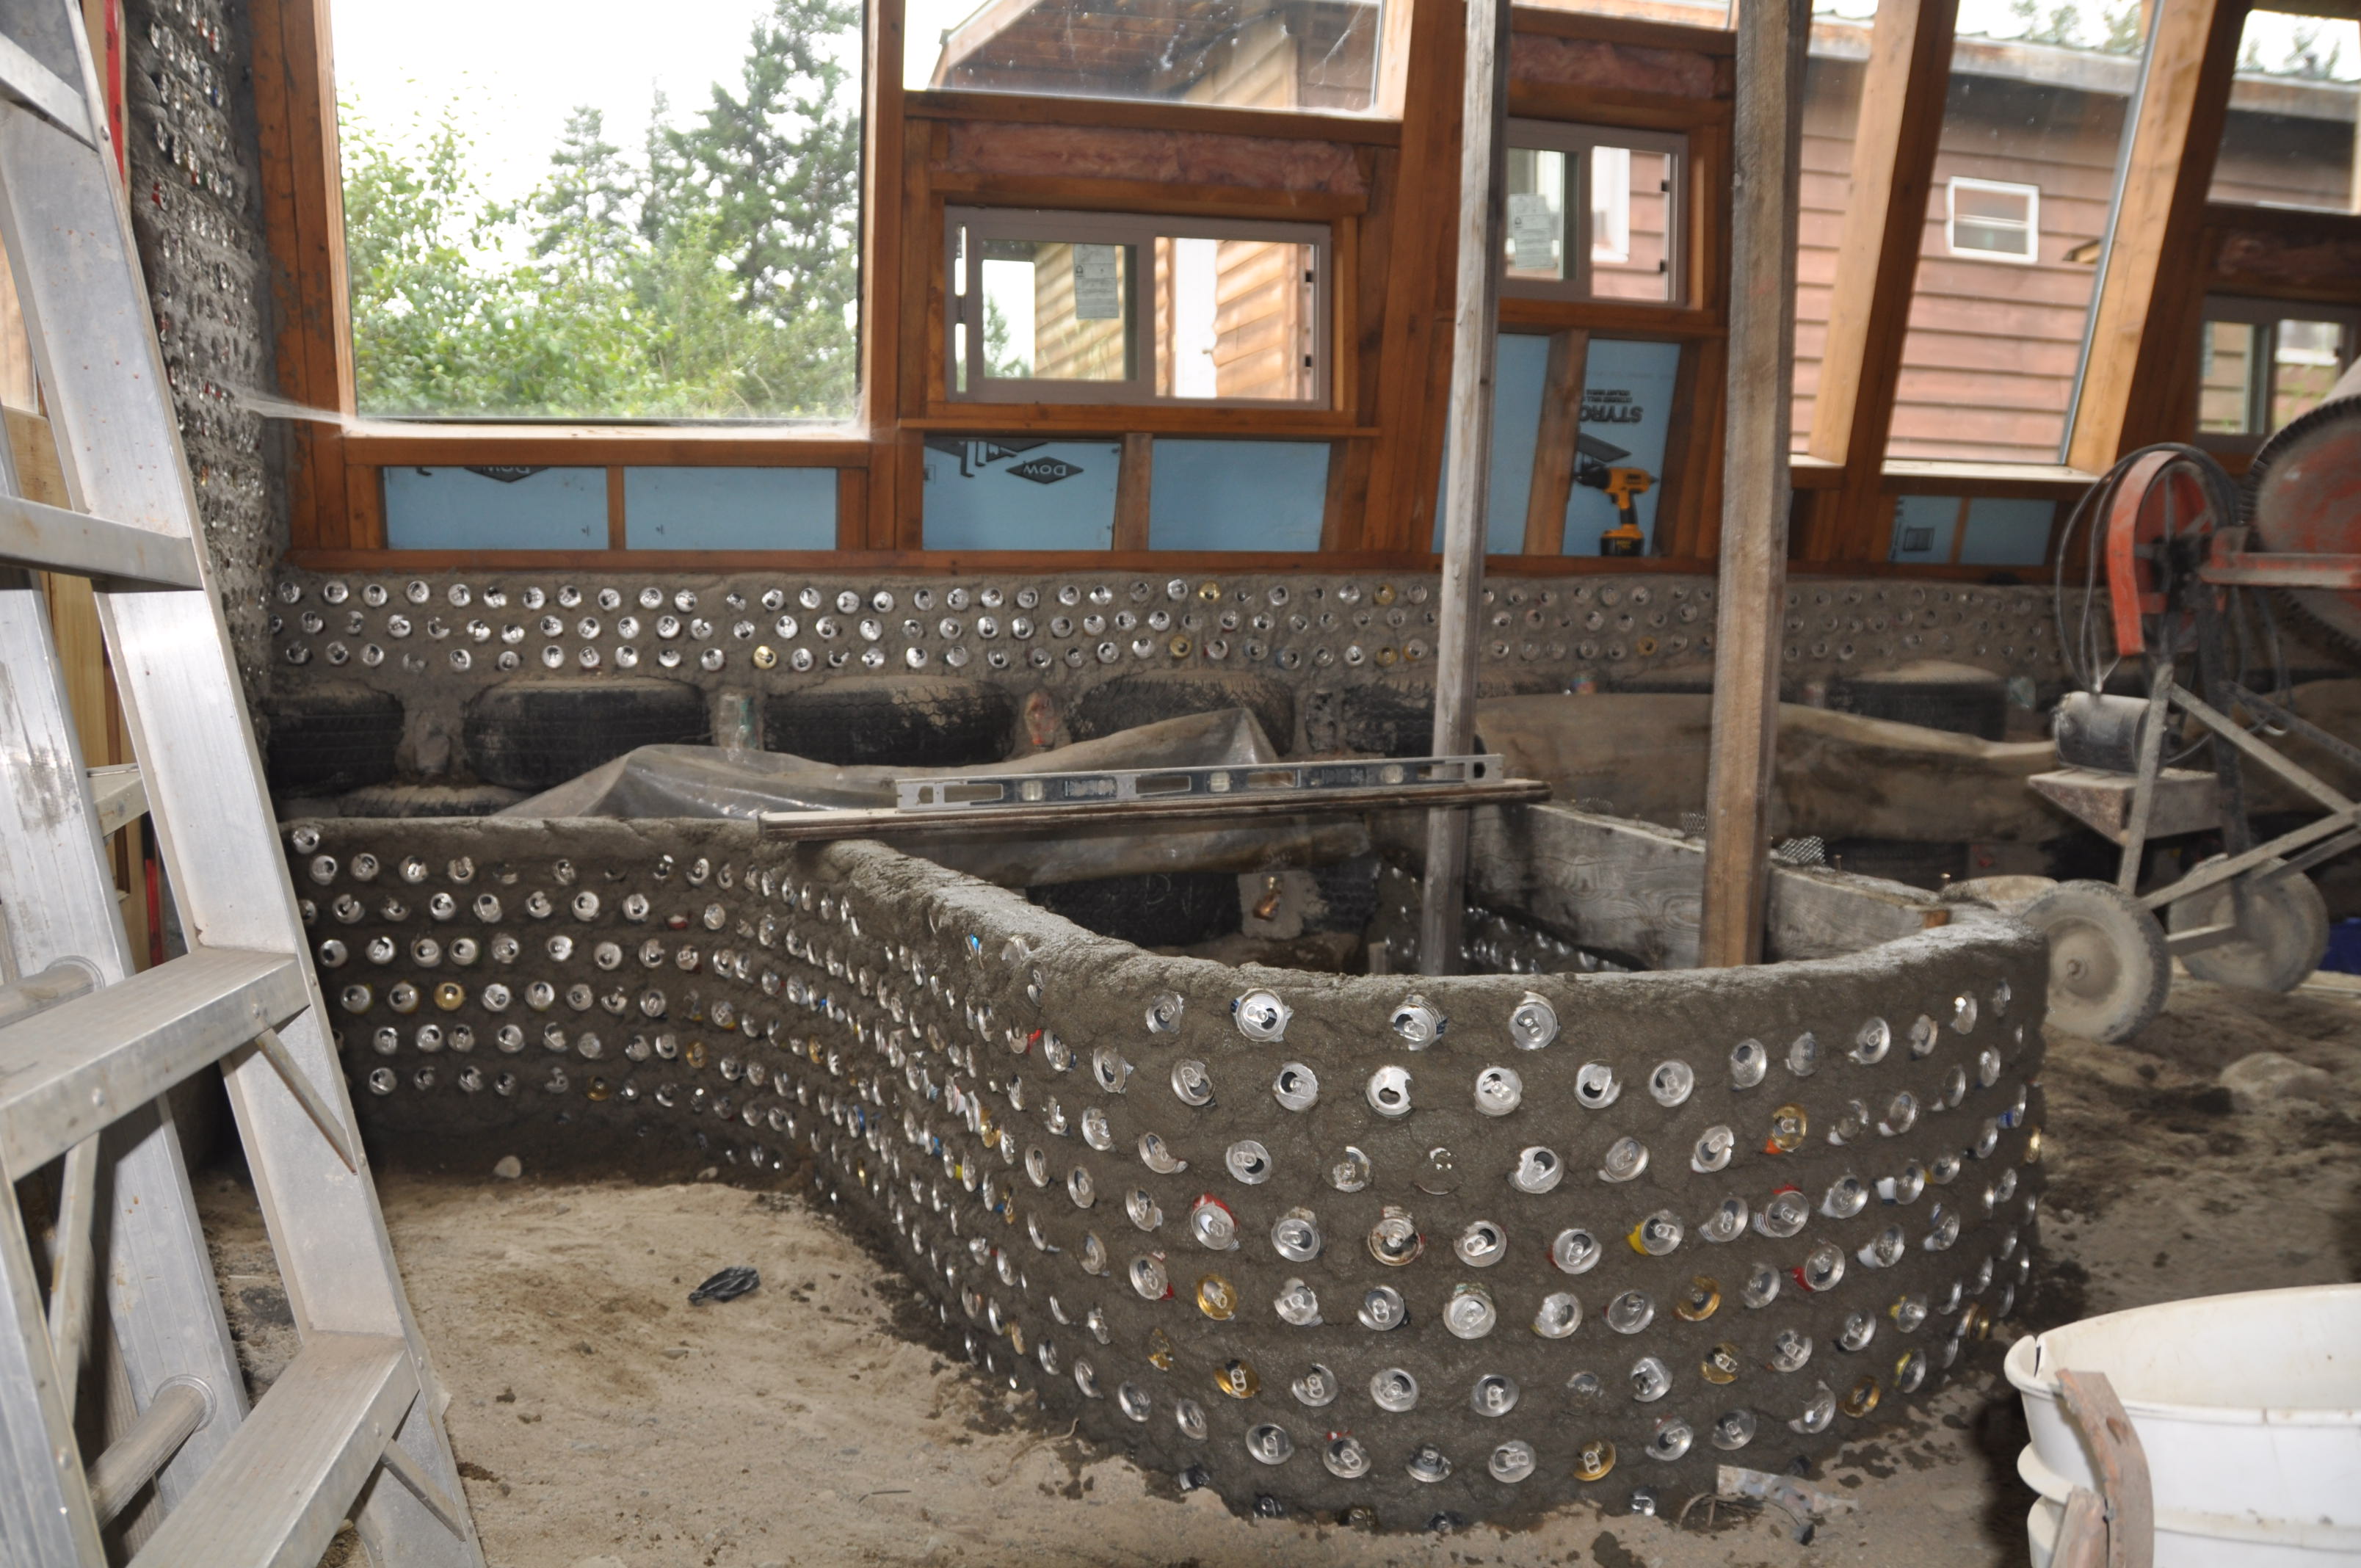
x=910, y=722
x=327, y=739
x=1417, y=1250
x=1158, y=694
x=536, y=734
x=1162, y=909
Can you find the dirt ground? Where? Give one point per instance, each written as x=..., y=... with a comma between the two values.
x=603, y=1423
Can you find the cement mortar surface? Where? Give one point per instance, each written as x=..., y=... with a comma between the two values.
x=602, y=1420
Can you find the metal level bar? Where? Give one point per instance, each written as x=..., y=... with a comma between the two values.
x=1212, y=784
x=283, y=1484
x=2258, y=569
x=1475, y=334
x=52, y=539
x=43, y=91
x=812, y=827
x=71, y=1071
x=119, y=795
x=131, y=1460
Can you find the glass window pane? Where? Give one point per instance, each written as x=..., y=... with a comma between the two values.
x=1833, y=77
x=1319, y=55
x=2225, y=394
x=2288, y=139
x=539, y=224
x=1235, y=318
x=1970, y=200
x=1055, y=310
x=1631, y=207
x=2033, y=126
x=1536, y=237
x=2305, y=359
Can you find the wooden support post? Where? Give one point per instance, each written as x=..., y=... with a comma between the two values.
x=1554, y=454
x=1135, y=475
x=1902, y=98
x=1474, y=328
x=1772, y=35
x=303, y=219
x=2152, y=278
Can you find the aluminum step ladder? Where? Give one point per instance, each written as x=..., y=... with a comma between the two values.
x=87, y=1048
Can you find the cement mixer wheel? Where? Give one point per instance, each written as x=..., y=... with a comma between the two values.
x=2281, y=941
x=2108, y=966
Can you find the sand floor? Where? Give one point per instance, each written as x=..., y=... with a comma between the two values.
x=603, y=1423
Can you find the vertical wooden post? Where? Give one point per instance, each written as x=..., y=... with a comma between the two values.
x=1474, y=328
x=1772, y=35
x=1134, y=477
x=884, y=275
x=1553, y=452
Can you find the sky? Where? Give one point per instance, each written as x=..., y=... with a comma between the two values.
x=517, y=66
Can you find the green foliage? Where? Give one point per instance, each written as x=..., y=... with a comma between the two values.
x=715, y=277
x=2117, y=30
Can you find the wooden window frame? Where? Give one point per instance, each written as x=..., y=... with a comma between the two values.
x=1140, y=231
x=1387, y=277
x=2032, y=230
x=2265, y=315
x=1578, y=140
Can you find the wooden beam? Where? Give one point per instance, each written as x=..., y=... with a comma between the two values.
x=1135, y=475
x=1554, y=454
x=1903, y=86
x=1474, y=338
x=618, y=535
x=1412, y=349
x=884, y=257
x=1771, y=37
x=304, y=221
x=2152, y=276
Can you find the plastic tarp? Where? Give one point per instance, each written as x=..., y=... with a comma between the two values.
x=712, y=781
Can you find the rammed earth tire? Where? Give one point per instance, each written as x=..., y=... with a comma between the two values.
x=535, y=735
x=911, y=721
x=2109, y=970
x=1129, y=701
x=1161, y=909
x=2281, y=942
x=326, y=739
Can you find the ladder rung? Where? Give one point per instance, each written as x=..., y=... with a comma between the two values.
x=72, y=1069
x=288, y=1478
x=48, y=94
x=120, y=795
x=114, y=554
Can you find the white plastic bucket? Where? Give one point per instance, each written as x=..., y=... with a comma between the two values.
x=2249, y=1409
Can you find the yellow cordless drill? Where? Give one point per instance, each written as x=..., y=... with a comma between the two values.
x=1595, y=467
